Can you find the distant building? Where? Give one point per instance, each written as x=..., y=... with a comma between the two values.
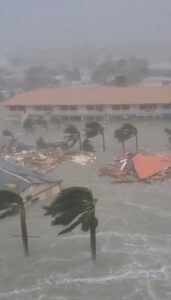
x=157, y=81
x=85, y=76
x=100, y=103
x=30, y=185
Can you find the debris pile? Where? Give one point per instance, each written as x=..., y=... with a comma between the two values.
x=83, y=159
x=139, y=167
x=42, y=160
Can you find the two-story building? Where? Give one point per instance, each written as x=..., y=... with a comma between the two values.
x=101, y=103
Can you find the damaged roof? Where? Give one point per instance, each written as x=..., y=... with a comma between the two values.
x=16, y=178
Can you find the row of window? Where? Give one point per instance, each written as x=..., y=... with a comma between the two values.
x=145, y=107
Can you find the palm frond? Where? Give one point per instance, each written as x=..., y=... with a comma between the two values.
x=71, y=205
x=77, y=221
x=93, y=128
x=10, y=198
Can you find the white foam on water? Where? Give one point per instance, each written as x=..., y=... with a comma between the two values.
x=20, y=291
x=128, y=272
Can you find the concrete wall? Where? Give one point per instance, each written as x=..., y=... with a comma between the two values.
x=85, y=114
x=44, y=191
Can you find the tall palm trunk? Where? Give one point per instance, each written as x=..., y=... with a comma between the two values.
x=24, y=229
x=93, y=239
x=80, y=143
x=136, y=141
x=104, y=148
x=123, y=146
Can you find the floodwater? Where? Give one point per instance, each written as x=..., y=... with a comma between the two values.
x=133, y=237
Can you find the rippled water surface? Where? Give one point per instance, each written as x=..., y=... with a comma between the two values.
x=133, y=239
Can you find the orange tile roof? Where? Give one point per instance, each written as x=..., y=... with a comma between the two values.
x=149, y=165
x=92, y=96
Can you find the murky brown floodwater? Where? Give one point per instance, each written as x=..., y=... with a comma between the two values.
x=133, y=238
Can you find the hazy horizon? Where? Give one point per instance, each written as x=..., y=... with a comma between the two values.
x=127, y=26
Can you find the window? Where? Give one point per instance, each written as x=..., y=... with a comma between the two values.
x=13, y=108
x=99, y=107
x=148, y=107
x=48, y=108
x=73, y=107
x=143, y=106
x=90, y=107
x=125, y=107
x=116, y=107
x=17, y=108
x=64, y=107
x=38, y=107
x=166, y=106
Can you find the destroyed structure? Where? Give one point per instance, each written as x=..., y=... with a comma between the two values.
x=30, y=185
x=41, y=160
x=139, y=167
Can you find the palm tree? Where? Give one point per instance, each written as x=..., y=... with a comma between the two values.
x=72, y=136
x=41, y=122
x=93, y=129
x=168, y=133
x=72, y=207
x=87, y=146
x=124, y=133
x=8, y=133
x=131, y=131
x=11, y=203
x=29, y=124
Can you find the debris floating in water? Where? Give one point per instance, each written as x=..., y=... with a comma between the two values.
x=42, y=160
x=138, y=166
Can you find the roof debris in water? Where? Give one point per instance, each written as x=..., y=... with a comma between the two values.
x=139, y=167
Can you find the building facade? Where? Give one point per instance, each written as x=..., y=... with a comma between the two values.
x=84, y=104
x=30, y=185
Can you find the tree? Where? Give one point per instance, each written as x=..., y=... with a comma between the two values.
x=124, y=133
x=54, y=119
x=120, y=81
x=93, y=129
x=37, y=77
x=72, y=207
x=29, y=124
x=8, y=133
x=9, y=203
x=72, y=136
x=41, y=122
x=168, y=133
x=40, y=143
x=87, y=146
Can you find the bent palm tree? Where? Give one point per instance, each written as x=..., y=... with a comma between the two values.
x=72, y=207
x=124, y=133
x=93, y=129
x=72, y=136
x=11, y=203
x=131, y=131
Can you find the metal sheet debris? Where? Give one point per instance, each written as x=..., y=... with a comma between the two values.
x=139, y=167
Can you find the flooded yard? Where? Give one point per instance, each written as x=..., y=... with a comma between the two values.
x=133, y=236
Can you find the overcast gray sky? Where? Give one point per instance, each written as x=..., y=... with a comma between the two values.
x=29, y=24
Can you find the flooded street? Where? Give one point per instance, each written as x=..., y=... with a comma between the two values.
x=133, y=236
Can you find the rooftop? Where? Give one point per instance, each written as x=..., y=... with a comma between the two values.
x=91, y=96
x=17, y=178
